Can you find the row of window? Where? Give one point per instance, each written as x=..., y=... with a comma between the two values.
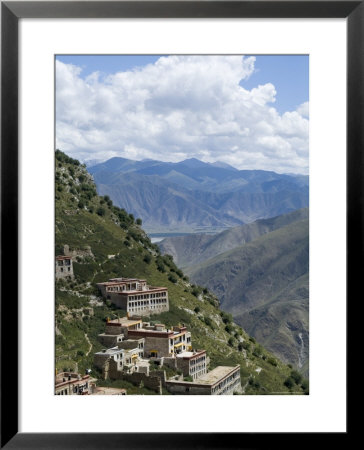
x=227, y=381
x=148, y=296
x=64, y=262
x=197, y=368
x=69, y=269
x=201, y=359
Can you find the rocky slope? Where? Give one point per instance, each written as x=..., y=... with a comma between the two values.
x=264, y=284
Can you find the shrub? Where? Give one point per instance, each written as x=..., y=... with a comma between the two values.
x=231, y=342
x=197, y=310
x=289, y=382
x=296, y=376
x=305, y=386
x=208, y=322
x=272, y=361
x=138, y=221
x=240, y=346
x=172, y=278
x=101, y=211
x=147, y=258
x=80, y=353
x=228, y=328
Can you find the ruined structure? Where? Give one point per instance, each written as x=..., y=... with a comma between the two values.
x=64, y=267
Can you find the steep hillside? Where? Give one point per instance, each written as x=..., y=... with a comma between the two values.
x=192, y=194
x=264, y=284
x=110, y=243
x=196, y=248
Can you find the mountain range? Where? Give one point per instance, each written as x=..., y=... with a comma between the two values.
x=259, y=272
x=193, y=195
x=111, y=243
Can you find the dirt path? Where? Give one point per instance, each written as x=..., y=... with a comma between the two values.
x=89, y=343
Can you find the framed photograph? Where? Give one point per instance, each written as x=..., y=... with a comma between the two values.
x=171, y=89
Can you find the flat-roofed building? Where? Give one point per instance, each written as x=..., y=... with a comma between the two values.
x=135, y=296
x=192, y=363
x=161, y=341
x=70, y=383
x=222, y=380
x=128, y=355
x=64, y=267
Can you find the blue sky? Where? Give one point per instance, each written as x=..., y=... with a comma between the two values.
x=288, y=73
x=248, y=111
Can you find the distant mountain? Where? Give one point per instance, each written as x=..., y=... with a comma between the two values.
x=84, y=220
x=191, y=194
x=196, y=248
x=264, y=284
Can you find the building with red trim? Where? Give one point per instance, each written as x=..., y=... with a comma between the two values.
x=135, y=296
x=69, y=383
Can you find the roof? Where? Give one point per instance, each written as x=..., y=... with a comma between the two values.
x=216, y=375
x=189, y=355
x=59, y=257
x=143, y=291
x=108, y=391
x=124, y=322
x=126, y=280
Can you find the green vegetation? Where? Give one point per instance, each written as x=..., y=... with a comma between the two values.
x=81, y=313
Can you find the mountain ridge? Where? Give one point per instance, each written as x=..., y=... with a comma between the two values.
x=233, y=196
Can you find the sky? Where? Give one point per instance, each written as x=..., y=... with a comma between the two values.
x=249, y=111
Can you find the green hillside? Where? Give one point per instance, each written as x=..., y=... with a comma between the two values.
x=264, y=284
x=114, y=244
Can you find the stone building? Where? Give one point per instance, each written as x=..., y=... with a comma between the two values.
x=135, y=296
x=222, y=380
x=192, y=363
x=68, y=383
x=138, y=343
x=64, y=267
x=127, y=355
x=117, y=330
x=161, y=341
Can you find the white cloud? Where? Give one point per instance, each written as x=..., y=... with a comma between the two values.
x=303, y=109
x=176, y=108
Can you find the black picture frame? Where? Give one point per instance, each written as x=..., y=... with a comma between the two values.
x=11, y=12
